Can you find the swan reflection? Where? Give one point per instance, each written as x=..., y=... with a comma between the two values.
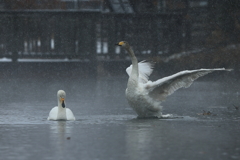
x=60, y=133
x=140, y=137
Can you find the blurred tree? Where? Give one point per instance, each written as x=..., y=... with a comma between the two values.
x=225, y=21
x=144, y=6
x=176, y=4
x=33, y=4
x=153, y=5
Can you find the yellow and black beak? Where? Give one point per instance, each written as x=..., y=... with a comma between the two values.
x=62, y=102
x=120, y=43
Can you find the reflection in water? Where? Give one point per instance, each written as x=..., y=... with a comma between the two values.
x=139, y=138
x=60, y=131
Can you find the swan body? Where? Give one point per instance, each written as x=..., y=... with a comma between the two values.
x=61, y=112
x=145, y=96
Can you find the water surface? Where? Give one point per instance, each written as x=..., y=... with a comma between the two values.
x=106, y=127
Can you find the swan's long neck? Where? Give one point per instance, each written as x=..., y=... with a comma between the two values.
x=133, y=78
x=61, y=111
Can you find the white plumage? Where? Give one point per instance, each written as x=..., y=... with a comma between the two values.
x=145, y=96
x=145, y=70
x=61, y=112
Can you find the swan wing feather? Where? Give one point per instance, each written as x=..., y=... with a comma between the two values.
x=69, y=114
x=53, y=114
x=166, y=86
x=145, y=69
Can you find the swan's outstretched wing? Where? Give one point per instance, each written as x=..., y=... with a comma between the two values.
x=161, y=88
x=145, y=70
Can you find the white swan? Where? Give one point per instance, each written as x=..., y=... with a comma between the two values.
x=145, y=96
x=60, y=112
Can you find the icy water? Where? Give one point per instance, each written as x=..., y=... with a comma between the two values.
x=106, y=127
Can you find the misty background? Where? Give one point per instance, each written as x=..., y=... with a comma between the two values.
x=197, y=33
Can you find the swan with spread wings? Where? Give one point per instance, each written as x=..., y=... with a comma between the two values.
x=145, y=96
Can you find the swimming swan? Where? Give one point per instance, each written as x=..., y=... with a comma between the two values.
x=60, y=112
x=145, y=96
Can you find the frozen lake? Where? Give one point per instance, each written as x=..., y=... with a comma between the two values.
x=106, y=127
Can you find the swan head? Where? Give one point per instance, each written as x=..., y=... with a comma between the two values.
x=128, y=48
x=123, y=44
x=61, y=98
